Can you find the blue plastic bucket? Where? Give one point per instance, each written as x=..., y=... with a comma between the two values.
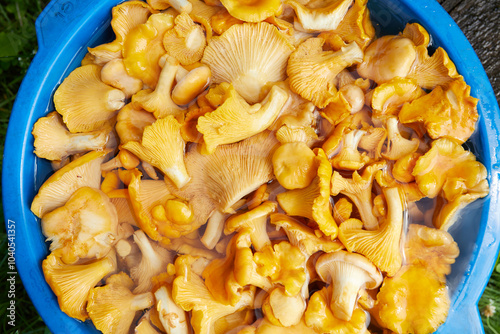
x=67, y=27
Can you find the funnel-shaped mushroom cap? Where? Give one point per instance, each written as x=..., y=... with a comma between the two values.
x=431, y=247
x=125, y=17
x=417, y=33
x=388, y=57
x=283, y=263
x=322, y=15
x=293, y=165
x=186, y=41
x=313, y=202
x=85, y=227
x=388, y=98
x=382, y=246
x=425, y=298
x=163, y=147
x=449, y=213
x=112, y=307
x=348, y=273
x=356, y=26
x=53, y=141
x=431, y=71
x=253, y=10
x=235, y=119
x=130, y=123
x=71, y=283
x=217, y=184
x=82, y=172
x=320, y=317
x=248, y=56
x=85, y=102
x=444, y=162
x=312, y=71
x=303, y=236
x=254, y=222
x=445, y=112
x=143, y=47
x=159, y=101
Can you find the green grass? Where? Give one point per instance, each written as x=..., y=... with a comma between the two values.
x=17, y=48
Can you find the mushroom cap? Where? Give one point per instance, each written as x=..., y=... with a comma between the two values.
x=82, y=172
x=320, y=15
x=235, y=119
x=312, y=71
x=293, y=165
x=388, y=57
x=163, y=136
x=320, y=317
x=85, y=227
x=381, y=246
x=220, y=278
x=130, y=123
x=282, y=309
x=115, y=74
x=356, y=26
x=445, y=161
x=53, y=141
x=347, y=273
x=432, y=248
x=146, y=195
x=283, y=263
x=417, y=34
x=445, y=112
x=254, y=222
x=388, y=98
x=85, y=102
x=424, y=296
x=303, y=236
x=326, y=263
x=143, y=47
x=254, y=10
x=71, y=283
x=248, y=56
x=313, y=201
x=186, y=41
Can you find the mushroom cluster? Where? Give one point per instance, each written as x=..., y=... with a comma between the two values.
x=256, y=167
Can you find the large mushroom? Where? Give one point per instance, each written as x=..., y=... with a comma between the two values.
x=85, y=102
x=347, y=273
x=248, y=56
